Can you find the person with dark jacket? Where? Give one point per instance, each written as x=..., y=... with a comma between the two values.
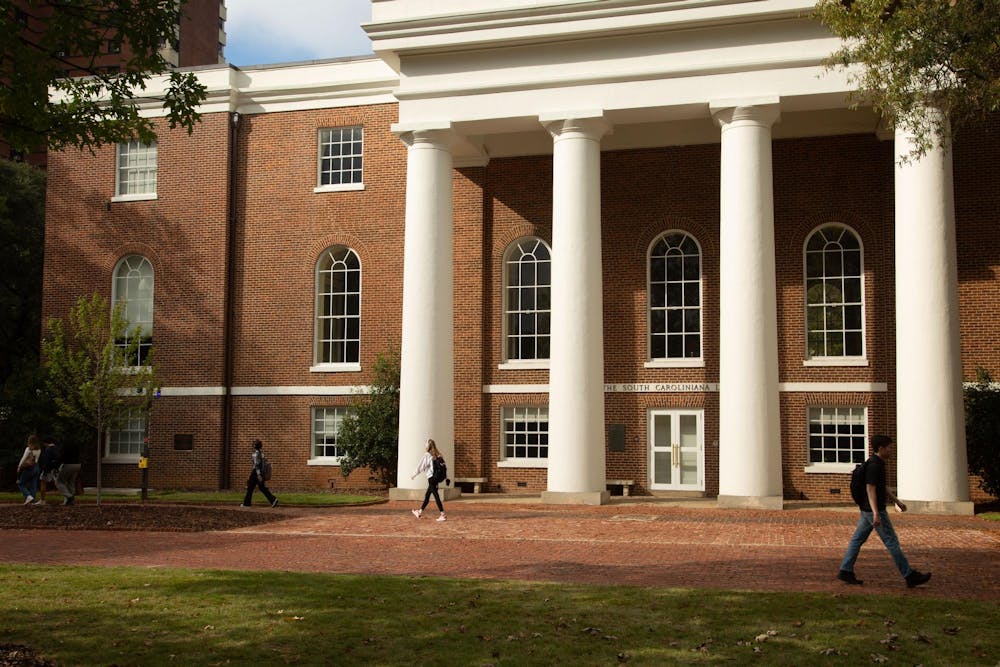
x=48, y=465
x=876, y=496
x=256, y=479
x=68, y=471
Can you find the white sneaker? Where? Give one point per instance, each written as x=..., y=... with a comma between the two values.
x=38, y=502
x=442, y=517
x=29, y=500
x=417, y=513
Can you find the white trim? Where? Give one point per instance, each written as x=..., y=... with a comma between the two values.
x=335, y=368
x=324, y=461
x=523, y=463
x=145, y=196
x=839, y=468
x=301, y=391
x=836, y=361
x=661, y=387
x=515, y=388
x=192, y=391
x=340, y=187
x=676, y=363
x=534, y=364
x=121, y=459
x=792, y=387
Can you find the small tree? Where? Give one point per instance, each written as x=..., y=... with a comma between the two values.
x=982, y=431
x=370, y=430
x=89, y=373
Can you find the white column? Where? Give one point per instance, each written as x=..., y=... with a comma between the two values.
x=427, y=385
x=576, y=472
x=749, y=427
x=930, y=418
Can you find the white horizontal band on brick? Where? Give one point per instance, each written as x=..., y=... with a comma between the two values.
x=192, y=391
x=695, y=387
x=301, y=391
x=793, y=387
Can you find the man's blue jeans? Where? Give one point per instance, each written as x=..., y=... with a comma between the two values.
x=889, y=539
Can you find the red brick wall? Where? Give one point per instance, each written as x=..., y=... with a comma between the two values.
x=283, y=226
x=199, y=34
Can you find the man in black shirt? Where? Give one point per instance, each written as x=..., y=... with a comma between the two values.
x=876, y=496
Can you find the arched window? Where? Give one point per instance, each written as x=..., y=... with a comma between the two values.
x=674, y=298
x=133, y=289
x=527, y=300
x=834, y=293
x=338, y=307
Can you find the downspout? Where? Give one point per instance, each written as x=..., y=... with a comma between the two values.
x=227, y=307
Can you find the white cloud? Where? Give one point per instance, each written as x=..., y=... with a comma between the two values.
x=259, y=32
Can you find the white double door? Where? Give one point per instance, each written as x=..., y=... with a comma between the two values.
x=676, y=450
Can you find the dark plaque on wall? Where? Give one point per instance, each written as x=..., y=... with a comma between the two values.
x=183, y=442
x=616, y=437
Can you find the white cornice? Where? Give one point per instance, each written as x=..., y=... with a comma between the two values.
x=546, y=22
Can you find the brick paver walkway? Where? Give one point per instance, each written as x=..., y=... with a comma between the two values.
x=643, y=544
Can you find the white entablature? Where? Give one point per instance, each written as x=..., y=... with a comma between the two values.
x=488, y=69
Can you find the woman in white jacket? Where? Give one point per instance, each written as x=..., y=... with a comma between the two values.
x=27, y=470
x=427, y=465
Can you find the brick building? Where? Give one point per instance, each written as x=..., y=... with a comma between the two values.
x=612, y=240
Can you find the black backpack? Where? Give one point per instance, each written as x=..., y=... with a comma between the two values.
x=440, y=470
x=859, y=490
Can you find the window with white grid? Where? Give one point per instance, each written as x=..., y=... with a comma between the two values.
x=133, y=289
x=675, y=298
x=136, y=169
x=338, y=307
x=125, y=441
x=325, y=431
x=340, y=156
x=837, y=434
x=528, y=299
x=525, y=433
x=834, y=289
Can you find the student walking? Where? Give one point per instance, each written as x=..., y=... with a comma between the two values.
x=426, y=465
x=28, y=469
x=256, y=479
x=875, y=497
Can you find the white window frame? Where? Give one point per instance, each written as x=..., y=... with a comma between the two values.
x=536, y=362
x=526, y=414
x=834, y=416
x=675, y=362
x=845, y=359
x=131, y=152
x=133, y=425
x=321, y=141
x=133, y=265
x=320, y=366
x=338, y=416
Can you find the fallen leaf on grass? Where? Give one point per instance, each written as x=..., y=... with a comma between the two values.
x=951, y=631
x=879, y=658
x=831, y=651
x=592, y=631
x=624, y=657
x=922, y=638
x=208, y=627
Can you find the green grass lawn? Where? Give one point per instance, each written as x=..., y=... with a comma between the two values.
x=135, y=616
x=213, y=498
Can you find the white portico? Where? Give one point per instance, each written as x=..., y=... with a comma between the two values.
x=490, y=79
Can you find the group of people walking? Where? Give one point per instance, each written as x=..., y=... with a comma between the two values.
x=46, y=464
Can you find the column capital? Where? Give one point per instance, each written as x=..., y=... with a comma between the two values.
x=761, y=111
x=584, y=124
x=426, y=135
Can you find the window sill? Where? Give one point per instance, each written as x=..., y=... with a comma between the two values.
x=845, y=468
x=542, y=365
x=675, y=363
x=146, y=196
x=134, y=370
x=335, y=368
x=523, y=463
x=343, y=187
x=836, y=361
x=328, y=461
x=118, y=459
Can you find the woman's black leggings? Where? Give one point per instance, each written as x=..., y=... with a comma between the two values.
x=432, y=488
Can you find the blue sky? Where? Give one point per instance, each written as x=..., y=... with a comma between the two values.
x=262, y=32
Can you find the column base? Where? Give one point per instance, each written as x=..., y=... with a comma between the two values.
x=576, y=497
x=446, y=493
x=954, y=507
x=751, y=502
